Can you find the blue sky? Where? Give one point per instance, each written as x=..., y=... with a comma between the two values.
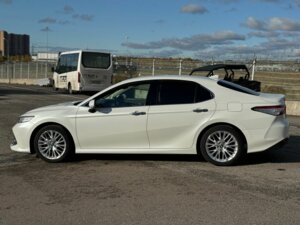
x=160, y=28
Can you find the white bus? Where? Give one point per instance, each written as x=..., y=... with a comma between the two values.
x=83, y=71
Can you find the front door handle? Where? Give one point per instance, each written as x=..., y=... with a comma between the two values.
x=137, y=113
x=200, y=110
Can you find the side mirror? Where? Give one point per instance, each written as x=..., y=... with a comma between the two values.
x=92, y=107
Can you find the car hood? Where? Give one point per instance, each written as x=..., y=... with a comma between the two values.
x=57, y=107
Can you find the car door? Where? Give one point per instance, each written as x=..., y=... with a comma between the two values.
x=61, y=72
x=181, y=108
x=119, y=121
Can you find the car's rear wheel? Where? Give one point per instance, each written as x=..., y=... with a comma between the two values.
x=53, y=144
x=222, y=145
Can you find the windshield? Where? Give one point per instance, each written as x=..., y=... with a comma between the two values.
x=96, y=60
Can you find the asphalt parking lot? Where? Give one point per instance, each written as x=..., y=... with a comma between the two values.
x=141, y=189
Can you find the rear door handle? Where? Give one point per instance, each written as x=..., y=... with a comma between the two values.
x=200, y=110
x=137, y=113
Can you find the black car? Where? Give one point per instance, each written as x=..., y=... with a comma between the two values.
x=230, y=72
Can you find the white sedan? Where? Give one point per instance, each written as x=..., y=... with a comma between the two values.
x=158, y=115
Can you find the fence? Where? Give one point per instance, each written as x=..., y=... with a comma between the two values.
x=25, y=70
x=278, y=77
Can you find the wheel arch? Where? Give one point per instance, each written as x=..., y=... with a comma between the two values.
x=218, y=124
x=34, y=132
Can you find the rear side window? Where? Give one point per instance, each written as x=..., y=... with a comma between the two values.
x=236, y=87
x=181, y=92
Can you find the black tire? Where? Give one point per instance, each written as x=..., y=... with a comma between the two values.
x=54, y=88
x=222, y=145
x=53, y=144
x=70, y=91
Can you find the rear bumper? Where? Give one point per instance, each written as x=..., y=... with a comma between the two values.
x=93, y=87
x=269, y=135
x=279, y=145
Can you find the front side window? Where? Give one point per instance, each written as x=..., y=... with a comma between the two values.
x=62, y=65
x=73, y=62
x=125, y=96
x=96, y=60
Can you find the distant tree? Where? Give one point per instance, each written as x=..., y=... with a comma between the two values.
x=27, y=58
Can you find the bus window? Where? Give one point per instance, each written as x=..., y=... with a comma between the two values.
x=73, y=62
x=96, y=60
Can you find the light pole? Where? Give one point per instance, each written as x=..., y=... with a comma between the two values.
x=7, y=42
x=3, y=52
x=47, y=30
x=126, y=38
x=153, y=67
x=180, y=67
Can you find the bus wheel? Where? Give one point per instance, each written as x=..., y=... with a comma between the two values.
x=70, y=91
x=54, y=88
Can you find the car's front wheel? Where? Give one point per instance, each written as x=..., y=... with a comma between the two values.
x=222, y=145
x=52, y=143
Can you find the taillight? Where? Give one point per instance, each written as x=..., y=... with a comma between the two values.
x=79, y=76
x=274, y=110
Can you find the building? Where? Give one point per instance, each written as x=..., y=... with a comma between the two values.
x=44, y=56
x=14, y=44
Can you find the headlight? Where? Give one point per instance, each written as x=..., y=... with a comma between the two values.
x=24, y=119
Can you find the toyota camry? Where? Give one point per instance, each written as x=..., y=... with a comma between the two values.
x=220, y=120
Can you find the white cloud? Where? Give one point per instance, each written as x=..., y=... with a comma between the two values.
x=273, y=24
x=68, y=9
x=264, y=34
x=193, y=43
x=255, y=24
x=193, y=9
x=272, y=47
x=285, y=24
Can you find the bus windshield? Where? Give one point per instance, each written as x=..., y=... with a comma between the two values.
x=96, y=60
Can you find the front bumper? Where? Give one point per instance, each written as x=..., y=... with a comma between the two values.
x=21, y=141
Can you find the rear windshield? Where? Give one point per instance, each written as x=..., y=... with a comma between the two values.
x=96, y=60
x=237, y=87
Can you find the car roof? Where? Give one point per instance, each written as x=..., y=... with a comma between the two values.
x=198, y=79
x=171, y=77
